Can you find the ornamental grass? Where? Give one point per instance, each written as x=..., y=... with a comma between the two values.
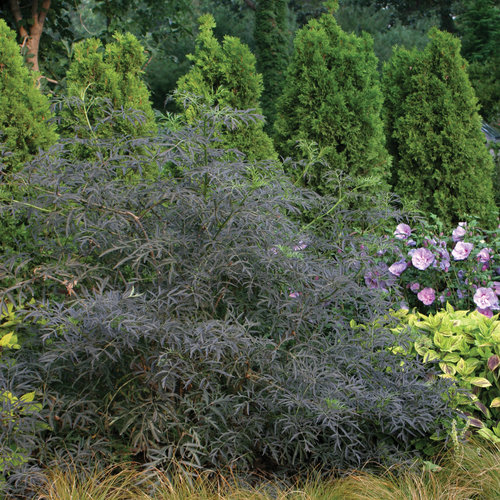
x=470, y=471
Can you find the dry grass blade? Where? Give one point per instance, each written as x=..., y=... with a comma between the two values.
x=112, y=483
x=479, y=463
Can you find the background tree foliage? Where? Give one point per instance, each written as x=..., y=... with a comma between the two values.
x=383, y=24
x=478, y=23
x=434, y=132
x=272, y=51
x=66, y=22
x=167, y=28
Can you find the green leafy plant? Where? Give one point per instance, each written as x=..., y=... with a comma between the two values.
x=25, y=127
x=478, y=23
x=467, y=348
x=272, y=49
x=17, y=412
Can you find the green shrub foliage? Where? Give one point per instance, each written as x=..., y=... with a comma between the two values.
x=224, y=75
x=332, y=97
x=434, y=133
x=108, y=79
x=467, y=347
x=194, y=318
x=272, y=50
x=24, y=111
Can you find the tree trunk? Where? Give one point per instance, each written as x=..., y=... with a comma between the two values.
x=31, y=38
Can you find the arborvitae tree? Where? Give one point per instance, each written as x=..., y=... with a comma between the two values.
x=332, y=97
x=434, y=132
x=224, y=75
x=24, y=129
x=111, y=76
x=24, y=110
x=272, y=48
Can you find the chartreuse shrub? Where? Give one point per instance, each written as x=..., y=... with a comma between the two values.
x=332, y=97
x=434, y=133
x=206, y=324
x=105, y=79
x=224, y=75
x=466, y=347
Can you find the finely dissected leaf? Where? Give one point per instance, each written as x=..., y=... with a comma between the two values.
x=193, y=317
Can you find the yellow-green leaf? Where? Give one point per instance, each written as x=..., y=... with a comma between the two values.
x=28, y=397
x=495, y=403
x=430, y=355
x=7, y=339
x=480, y=382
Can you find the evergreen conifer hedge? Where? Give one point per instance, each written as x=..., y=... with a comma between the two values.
x=272, y=48
x=24, y=110
x=434, y=132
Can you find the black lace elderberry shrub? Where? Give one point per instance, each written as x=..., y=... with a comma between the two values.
x=193, y=317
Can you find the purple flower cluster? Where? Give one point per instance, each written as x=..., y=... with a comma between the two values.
x=463, y=275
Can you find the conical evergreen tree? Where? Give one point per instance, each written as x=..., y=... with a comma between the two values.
x=272, y=49
x=434, y=132
x=332, y=97
x=225, y=75
x=24, y=110
x=24, y=128
x=112, y=73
